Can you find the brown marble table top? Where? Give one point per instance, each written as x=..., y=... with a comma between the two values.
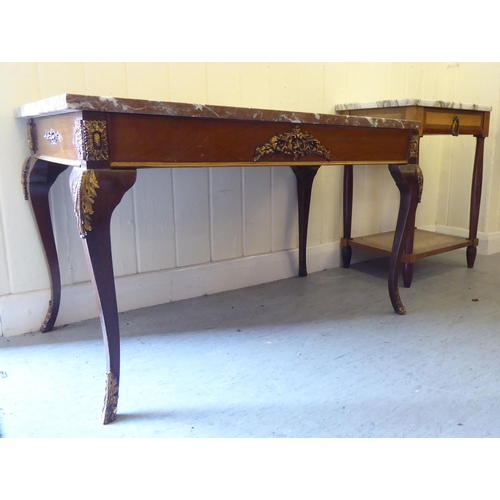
x=67, y=103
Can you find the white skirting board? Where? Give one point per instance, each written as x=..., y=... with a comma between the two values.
x=489, y=243
x=25, y=312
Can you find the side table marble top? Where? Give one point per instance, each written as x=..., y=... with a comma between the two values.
x=394, y=103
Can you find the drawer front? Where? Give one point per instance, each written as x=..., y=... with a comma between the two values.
x=454, y=122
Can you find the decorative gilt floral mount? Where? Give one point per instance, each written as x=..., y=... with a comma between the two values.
x=84, y=194
x=91, y=140
x=295, y=143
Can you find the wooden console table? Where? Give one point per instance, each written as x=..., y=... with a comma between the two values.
x=436, y=118
x=106, y=139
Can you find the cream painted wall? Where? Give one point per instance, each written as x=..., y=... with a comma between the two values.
x=188, y=232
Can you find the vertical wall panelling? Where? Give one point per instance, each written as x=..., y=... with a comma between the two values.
x=331, y=203
x=73, y=266
x=388, y=201
x=462, y=159
x=4, y=269
x=493, y=221
x=284, y=224
x=210, y=218
x=123, y=237
x=377, y=83
x=257, y=210
x=107, y=79
x=445, y=174
x=433, y=74
x=61, y=78
x=25, y=260
x=315, y=229
x=147, y=81
x=335, y=85
x=223, y=84
x=310, y=87
x=398, y=81
x=415, y=79
x=431, y=162
x=187, y=82
x=255, y=81
x=357, y=82
x=284, y=86
x=191, y=215
x=154, y=215
x=226, y=213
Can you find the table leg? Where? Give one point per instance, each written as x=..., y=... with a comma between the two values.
x=38, y=178
x=475, y=202
x=96, y=193
x=346, y=249
x=407, y=267
x=406, y=178
x=305, y=177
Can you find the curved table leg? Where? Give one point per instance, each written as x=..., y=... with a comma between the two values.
x=477, y=181
x=407, y=268
x=96, y=193
x=305, y=177
x=406, y=178
x=38, y=177
x=346, y=249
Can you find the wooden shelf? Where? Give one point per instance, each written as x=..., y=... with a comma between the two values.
x=426, y=243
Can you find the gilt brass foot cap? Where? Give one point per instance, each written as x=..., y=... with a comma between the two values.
x=110, y=399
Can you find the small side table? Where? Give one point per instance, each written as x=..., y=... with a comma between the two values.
x=436, y=118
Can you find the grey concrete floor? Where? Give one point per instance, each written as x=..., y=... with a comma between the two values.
x=322, y=356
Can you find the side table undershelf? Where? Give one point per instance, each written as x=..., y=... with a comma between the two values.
x=425, y=244
x=436, y=118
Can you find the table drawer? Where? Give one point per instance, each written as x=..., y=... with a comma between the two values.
x=450, y=122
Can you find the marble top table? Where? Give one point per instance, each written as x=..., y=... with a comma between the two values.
x=106, y=139
x=435, y=117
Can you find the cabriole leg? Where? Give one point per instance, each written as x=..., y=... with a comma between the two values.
x=96, y=193
x=38, y=177
x=406, y=178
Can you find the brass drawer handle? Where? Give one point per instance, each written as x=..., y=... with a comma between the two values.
x=455, y=126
